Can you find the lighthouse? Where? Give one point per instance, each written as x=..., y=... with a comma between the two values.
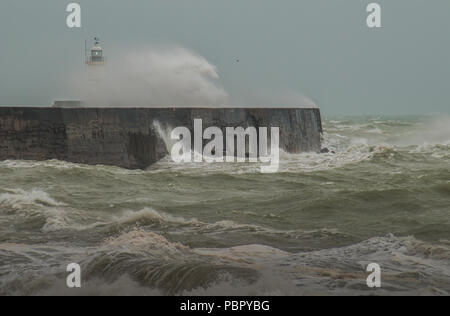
x=96, y=71
x=96, y=61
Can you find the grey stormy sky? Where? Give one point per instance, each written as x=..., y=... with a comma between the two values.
x=318, y=48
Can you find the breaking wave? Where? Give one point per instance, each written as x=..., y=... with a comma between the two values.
x=145, y=263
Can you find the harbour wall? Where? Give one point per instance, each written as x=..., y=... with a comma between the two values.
x=134, y=138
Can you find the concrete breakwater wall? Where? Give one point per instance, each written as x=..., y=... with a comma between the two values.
x=133, y=138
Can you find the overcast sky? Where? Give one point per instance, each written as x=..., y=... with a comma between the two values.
x=322, y=49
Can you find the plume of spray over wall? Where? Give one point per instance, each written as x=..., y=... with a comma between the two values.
x=157, y=77
x=167, y=77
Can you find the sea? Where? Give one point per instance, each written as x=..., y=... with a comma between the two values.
x=381, y=195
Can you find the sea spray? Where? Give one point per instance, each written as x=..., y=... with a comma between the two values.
x=169, y=77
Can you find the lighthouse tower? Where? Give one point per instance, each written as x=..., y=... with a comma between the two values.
x=96, y=61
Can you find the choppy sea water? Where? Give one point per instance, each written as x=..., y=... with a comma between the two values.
x=227, y=229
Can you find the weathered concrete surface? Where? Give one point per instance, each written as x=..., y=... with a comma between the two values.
x=129, y=138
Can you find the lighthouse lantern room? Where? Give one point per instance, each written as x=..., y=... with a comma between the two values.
x=95, y=55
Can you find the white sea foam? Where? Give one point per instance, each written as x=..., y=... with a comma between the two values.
x=149, y=214
x=31, y=205
x=18, y=198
